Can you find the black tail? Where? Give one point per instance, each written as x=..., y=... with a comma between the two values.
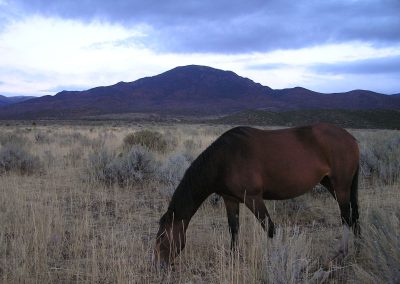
x=354, y=204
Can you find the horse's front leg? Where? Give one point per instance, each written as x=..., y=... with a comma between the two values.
x=232, y=210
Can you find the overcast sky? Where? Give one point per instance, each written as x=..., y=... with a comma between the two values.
x=329, y=46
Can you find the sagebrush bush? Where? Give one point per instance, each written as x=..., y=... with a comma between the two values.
x=380, y=156
x=152, y=140
x=97, y=166
x=379, y=248
x=137, y=166
x=16, y=159
x=128, y=168
x=173, y=170
x=13, y=138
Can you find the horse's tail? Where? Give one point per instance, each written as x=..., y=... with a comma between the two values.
x=354, y=203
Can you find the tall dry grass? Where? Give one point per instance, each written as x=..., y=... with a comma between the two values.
x=64, y=222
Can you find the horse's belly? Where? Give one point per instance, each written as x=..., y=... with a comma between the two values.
x=284, y=193
x=285, y=189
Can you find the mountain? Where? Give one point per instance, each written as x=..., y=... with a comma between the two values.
x=301, y=98
x=190, y=90
x=13, y=100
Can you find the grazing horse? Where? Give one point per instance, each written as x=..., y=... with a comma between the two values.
x=247, y=165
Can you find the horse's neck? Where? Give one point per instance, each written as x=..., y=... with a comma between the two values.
x=187, y=199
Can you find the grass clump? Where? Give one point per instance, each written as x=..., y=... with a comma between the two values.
x=288, y=257
x=152, y=140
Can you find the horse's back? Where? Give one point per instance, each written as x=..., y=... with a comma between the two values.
x=293, y=159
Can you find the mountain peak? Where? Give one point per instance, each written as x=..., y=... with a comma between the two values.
x=198, y=70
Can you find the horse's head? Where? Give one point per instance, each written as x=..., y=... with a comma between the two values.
x=170, y=239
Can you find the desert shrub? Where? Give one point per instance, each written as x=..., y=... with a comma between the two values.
x=135, y=166
x=173, y=169
x=288, y=258
x=379, y=248
x=98, y=166
x=380, y=156
x=13, y=138
x=16, y=159
x=152, y=140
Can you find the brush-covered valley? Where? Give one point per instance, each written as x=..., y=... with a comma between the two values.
x=80, y=203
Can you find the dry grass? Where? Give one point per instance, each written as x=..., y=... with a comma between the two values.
x=58, y=225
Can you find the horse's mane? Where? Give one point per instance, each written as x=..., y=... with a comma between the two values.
x=197, y=179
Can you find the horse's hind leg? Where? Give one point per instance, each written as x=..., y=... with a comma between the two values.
x=341, y=192
x=232, y=211
x=346, y=221
x=257, y=206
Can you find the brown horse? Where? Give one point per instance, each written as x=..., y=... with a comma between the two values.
x=247, y=165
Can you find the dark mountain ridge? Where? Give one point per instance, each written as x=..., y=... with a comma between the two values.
x=191, y=90
x=13, y=100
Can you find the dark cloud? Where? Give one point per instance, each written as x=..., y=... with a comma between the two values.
x=233, y=26
x=386, y=65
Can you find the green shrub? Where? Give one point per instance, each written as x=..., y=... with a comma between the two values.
x=152, y=140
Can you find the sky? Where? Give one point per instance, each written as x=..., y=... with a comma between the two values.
x=47, y=46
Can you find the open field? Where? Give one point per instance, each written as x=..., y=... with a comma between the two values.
x=81, y=203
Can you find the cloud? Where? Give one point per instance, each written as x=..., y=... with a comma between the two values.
x=45, y=45
x=233, y=26
x=386, y=65
x=40, y=53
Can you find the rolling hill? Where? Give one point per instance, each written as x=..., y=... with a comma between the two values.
x=194, y=90
x=377, y=119
x=13, y=100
